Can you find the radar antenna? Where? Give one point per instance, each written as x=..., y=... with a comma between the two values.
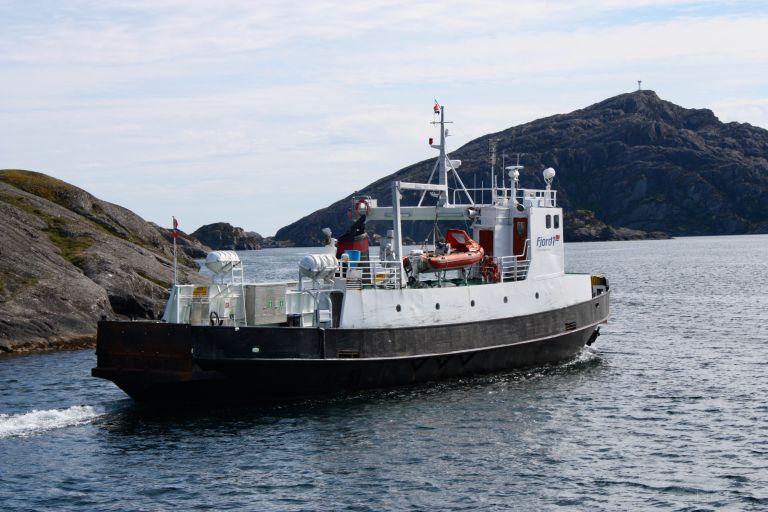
x=549, y=175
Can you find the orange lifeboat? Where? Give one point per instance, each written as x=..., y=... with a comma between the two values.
x=463, y=253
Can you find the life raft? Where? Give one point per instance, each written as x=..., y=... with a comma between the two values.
x=464, y=252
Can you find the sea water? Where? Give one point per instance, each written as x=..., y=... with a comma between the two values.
x=666, y=411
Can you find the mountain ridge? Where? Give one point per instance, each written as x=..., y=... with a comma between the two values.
x=634, y=161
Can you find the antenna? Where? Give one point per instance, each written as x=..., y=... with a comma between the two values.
x=492, y=155
x=639, y=83
x=492, y=151
x=503, y=166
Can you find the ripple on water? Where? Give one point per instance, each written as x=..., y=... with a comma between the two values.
x=665, y=411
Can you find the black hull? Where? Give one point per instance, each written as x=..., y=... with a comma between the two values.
x=156, y=362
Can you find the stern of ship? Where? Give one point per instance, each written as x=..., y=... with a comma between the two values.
x=152, y=361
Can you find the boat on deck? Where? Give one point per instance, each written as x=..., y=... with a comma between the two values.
x=495, y=299
x=458, y=252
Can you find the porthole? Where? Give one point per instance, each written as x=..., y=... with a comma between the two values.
x=537, y=295
x=398, y=308
x=506, y=300
x=472, y=303
x=437, y=305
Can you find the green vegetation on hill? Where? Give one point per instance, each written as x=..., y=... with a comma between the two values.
x=71, y=246
x=38, y=184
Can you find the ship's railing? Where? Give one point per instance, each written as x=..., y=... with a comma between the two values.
x=514, y=268
x=525, y=196
x=372, y=272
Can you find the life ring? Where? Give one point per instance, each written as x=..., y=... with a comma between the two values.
x=490, y=271
x=362, y=207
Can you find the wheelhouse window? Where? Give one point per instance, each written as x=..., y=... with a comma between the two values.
x=557, y=222
x=549, y=221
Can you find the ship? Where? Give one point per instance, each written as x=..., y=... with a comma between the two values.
x=488, y=298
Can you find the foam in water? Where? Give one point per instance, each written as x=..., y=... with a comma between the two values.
x=29, y=423
x=585, y=355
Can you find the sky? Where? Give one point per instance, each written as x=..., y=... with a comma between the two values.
x=257, y=113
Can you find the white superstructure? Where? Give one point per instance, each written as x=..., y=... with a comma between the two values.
x=521, y=271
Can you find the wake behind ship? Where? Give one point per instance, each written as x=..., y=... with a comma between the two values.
x=493, y=299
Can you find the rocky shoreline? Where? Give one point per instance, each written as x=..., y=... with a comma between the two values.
x=68, y=259
x=584, y=226
x=33, y=346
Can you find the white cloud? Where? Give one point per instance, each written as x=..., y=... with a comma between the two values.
x=240, y=104
x=753, y=111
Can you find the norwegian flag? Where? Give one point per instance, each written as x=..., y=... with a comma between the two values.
x=436, y=108
x=175, y=233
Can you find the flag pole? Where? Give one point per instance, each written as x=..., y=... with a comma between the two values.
x=174, y=261
x=174, y=234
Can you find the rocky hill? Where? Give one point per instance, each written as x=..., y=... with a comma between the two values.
x=631, y=162
x=222, y=235
x=68, y=258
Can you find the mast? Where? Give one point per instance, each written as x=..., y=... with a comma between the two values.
x=444, y=165
x=442, y=159
x=442, y=170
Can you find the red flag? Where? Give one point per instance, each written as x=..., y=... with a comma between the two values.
x=437, y=107
x=174, y=233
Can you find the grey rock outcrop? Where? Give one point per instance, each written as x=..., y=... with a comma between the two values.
x=583, y=226
x=68, y=258
x=224, y=236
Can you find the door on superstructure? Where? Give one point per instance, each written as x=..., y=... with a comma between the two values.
x=519, y=238
x=486, y=241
